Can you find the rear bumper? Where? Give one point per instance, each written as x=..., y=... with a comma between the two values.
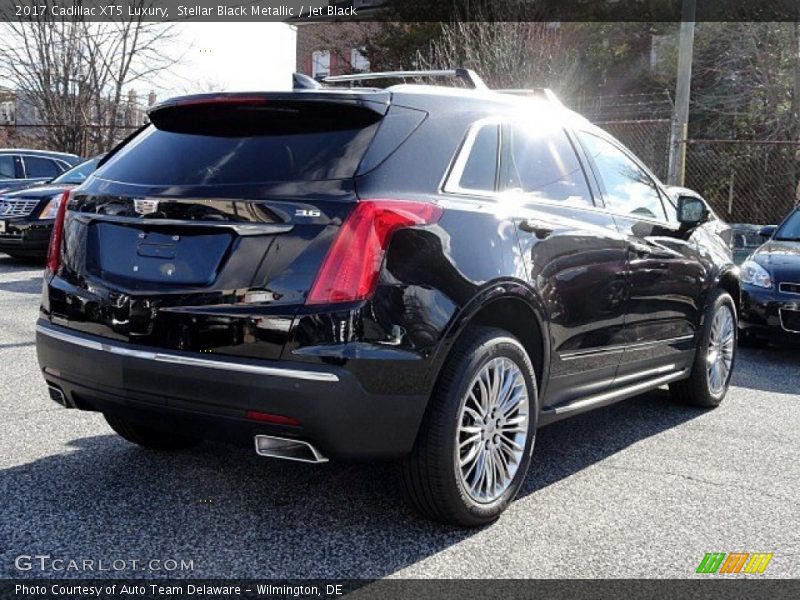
x=761, y=314
x=26, y=237
x=200, y=395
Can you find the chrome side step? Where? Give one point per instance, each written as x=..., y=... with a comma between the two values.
x=606, y=398
x=288, y=449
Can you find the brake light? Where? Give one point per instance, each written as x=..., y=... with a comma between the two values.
x=221, y=99
x=54, y=250
x=351, y=267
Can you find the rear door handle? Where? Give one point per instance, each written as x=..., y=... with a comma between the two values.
x=531, y=226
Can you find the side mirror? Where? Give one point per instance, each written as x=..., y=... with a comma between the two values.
x=768, y=231
x=692, y=211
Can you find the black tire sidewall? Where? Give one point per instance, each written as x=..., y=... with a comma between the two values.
x=722, y=299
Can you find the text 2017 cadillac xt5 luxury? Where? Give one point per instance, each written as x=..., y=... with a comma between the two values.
x=417, y=273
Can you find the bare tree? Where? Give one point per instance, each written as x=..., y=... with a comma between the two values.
x=507, y=54
x=74, y=73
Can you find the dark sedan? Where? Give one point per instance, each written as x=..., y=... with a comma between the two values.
x=771, y=286
x=20, y=168
x=26, y=216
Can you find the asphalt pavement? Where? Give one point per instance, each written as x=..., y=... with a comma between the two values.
x=640, y=489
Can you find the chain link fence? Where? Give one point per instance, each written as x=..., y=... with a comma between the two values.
x=753, y=181
x=745, y=181
x=647, y=138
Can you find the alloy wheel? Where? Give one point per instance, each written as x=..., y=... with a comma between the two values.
x=492, y=431
x=721, y=346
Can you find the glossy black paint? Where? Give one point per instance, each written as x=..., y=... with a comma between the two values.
x=600, y=300
x=774, y=313
x=29, y=236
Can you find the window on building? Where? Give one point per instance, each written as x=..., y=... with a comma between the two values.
x=320, y=63
x=358, y=61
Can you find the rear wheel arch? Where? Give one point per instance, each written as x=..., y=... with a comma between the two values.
x=509, y=306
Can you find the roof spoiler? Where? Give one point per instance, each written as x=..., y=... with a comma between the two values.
x=468, y=76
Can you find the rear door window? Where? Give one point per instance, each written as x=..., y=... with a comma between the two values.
x=539, y=160
x=7, y=170
x=36, y=166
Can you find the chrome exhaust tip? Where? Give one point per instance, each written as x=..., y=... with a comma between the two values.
x=57, y=395
x=288, y=449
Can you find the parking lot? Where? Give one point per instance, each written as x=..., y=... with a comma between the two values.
x=640, y=489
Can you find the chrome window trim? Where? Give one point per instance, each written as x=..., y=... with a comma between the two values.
x=456, y=171
x=189, y=361
x=622, y=347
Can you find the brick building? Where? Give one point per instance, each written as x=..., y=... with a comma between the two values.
x=331, y=48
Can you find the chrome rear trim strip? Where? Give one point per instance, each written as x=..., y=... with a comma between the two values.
x=189, y=361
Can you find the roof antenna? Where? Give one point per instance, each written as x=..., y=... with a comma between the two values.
x=304, y=82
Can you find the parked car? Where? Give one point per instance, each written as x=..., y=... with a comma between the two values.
x=22, y=168
x=771, y=286
x=746, y=238
x=419, y=273
x=27, y=216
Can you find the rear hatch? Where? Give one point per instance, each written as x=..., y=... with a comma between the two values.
x=206, y=230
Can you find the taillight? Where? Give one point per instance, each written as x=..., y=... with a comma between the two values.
x=351, y=268
x=54, y=250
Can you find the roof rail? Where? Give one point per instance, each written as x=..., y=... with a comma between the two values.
x=545, y=92
x=467, y=75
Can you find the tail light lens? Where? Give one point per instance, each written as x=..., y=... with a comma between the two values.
x=54, y=251
x=351, y=268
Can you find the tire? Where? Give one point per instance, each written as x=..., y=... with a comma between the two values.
x=703, y=388
x=434, y=481
x=146, y=437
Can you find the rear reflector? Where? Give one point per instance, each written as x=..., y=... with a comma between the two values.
x=254, y=415
x=57, y=236
x=351, y=268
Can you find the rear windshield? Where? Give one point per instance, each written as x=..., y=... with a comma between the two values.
x=234, y=148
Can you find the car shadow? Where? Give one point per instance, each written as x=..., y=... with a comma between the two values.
x=9, y=264
x=238, y=515
x=766, y=369
x=31, y=285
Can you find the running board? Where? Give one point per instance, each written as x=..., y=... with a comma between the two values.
x=606, y=398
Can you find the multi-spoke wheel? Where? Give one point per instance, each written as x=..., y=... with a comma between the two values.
x=721, y=344
x=715, y=356
x=492, y=430
x=474, y=447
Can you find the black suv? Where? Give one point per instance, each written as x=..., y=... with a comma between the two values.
x=418, y=273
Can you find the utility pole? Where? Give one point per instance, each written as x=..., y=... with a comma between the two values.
x=683, y=87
